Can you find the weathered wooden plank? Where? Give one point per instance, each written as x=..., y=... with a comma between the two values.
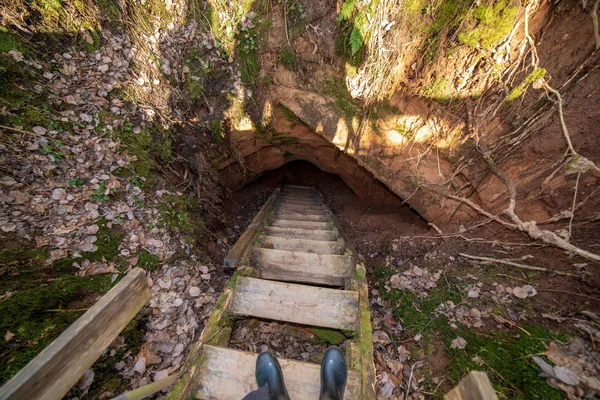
x=244, y=244
x=302, y=209
x=302, y=245
x=475, y=386
x=297, y=233
x=284, y=223
x=308, y=305
x=312, y=195
x=52, y=373
x=228, y=374
x=303, y=217
x=362, y=357
x=300, y=187
x=301, y=200
x=288, y=266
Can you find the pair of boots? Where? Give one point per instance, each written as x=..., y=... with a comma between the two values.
x=334, y=374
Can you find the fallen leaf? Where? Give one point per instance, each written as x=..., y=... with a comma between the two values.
x=565, y=375
x=524, y=292
x=381, y=337
x=86, y=380
x=458, y=343
x=546, y=368
x=9, y=335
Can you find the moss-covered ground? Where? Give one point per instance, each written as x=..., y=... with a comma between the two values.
x=41, y=300
x=505, y=355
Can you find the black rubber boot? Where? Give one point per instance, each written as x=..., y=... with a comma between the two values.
x=334, y=374
x=268, y=372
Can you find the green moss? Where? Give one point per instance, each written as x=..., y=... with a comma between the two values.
x=287, y=58
x=195, y=89
x=217, y=132
x=146, y=145
x=449, y=15
x=36, y=316
x=9, y=42
x=343, y=101
x=493, y=25
x=522, y=87
x=506, y=354
x=250, y=67
x=29, y=118
x=148, y=261
x=507, y=361
x=90, y=38
x=360, y=275
x=108, y=243
x=413, y=9
x=328, y=336
x=440, y=90
x=110, y=10
x=177, y=212
x=232, y=282
x=138, y=145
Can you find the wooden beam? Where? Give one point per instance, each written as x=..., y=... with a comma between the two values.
x=475, y=386
x=241, y=248
x=53, y=372
x=300, y=304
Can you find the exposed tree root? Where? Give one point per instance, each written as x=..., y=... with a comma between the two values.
x=595, y=21
x=519, y=265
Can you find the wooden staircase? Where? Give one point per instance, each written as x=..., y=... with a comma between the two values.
x=292, y=265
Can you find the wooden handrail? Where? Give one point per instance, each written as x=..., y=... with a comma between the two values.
x=53, y=372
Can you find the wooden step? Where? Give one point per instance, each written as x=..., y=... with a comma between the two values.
x=315, y=206
x=302, y=217
x=300, y=200
x=297, y=233
x=300, y=304
x=288, y=266
x=300, y=187
x=286, y=223
x=295, y=210
x=301, y=196
x=300, y=192
x=300, y=205
x=228, y=374
x=303, y=245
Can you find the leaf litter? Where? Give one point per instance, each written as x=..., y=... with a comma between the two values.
x=64, y=175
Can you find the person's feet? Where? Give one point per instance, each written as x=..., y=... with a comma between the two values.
x=268, y=372
x=334, y=374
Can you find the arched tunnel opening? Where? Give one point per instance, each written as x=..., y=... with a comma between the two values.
x=371, y=218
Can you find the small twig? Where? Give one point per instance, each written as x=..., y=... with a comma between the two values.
x=518, y=265
x=573, y=207
x=434, y=226
x=509, y=322
x=512, y=277
x=287, y=36
x=571, y=293
x=410, y=379
x=19, y=130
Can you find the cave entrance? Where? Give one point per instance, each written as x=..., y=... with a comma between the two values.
x=379, y=217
